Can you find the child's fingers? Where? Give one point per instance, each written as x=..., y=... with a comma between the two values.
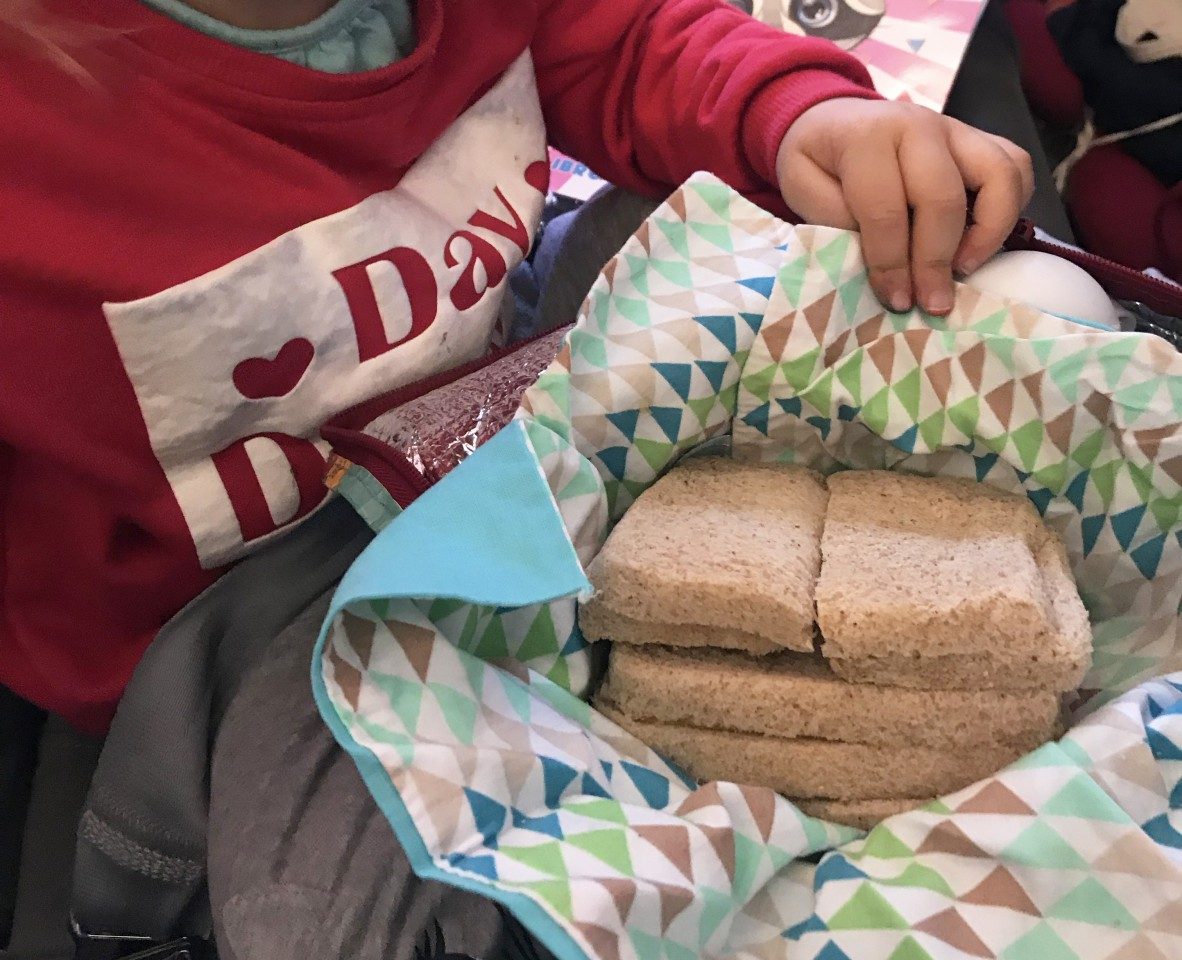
x=1022, y=161
x=813, y=195
x=1000, y=183
x=874, y=192
x=936, y=193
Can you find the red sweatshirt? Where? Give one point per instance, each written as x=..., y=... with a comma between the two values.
x=212, y=252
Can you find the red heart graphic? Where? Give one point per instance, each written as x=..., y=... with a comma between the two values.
x=259, y=378
x=537, y=175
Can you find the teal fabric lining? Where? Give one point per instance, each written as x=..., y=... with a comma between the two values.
x=368, y=497
x=518, y=552
x=351, y=37
x=1090, y=324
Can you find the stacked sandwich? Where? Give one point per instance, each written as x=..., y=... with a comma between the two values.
x=861, y=645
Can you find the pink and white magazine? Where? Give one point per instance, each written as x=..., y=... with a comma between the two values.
x=912, y=48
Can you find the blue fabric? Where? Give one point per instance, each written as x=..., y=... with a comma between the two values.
x=532, y=276
x=350, y=37
x=516, y=548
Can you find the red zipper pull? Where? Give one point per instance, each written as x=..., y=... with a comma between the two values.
x=1021, y=237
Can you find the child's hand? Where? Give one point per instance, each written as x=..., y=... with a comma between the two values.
x=902, y=174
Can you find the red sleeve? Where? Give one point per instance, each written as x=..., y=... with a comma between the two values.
x=679, y=86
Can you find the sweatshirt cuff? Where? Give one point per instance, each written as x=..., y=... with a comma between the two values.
x=776, y=107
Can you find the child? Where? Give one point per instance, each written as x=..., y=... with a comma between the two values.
x=230, y=219
x=213, y=248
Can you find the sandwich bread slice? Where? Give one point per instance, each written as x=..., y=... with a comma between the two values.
x=717, y=553
x=798, y=695
x=811, y=769
x=935, y=582
x=861, y=814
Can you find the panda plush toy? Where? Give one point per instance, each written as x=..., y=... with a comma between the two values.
x=844, y=22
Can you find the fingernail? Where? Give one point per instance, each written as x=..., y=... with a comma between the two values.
x=966, y=267
x=900, y=302
x=939, y=302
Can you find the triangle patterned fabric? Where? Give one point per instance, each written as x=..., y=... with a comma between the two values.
x=456, y=678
